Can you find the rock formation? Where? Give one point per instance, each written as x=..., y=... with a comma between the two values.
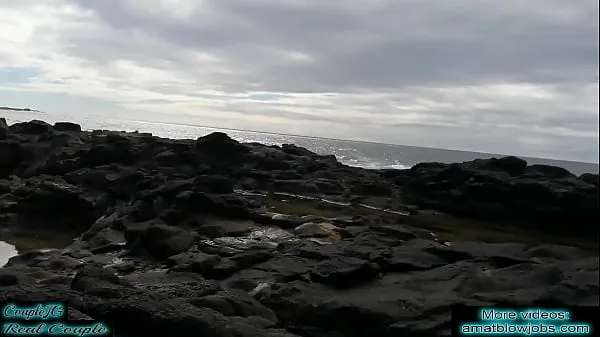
x=212, y=237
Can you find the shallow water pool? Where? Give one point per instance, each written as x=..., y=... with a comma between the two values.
x=6, y=252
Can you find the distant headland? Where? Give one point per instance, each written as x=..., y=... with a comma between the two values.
x=18, y=109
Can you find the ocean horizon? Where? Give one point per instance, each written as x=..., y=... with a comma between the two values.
x=365, y=154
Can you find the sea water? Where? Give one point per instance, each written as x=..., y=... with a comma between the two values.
x=353, y=153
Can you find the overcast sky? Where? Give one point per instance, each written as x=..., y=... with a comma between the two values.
x=510, y=76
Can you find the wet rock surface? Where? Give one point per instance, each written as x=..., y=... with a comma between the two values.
x=181, y=237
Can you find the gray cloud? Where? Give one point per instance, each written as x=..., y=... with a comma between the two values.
x=399, y=43
x=487, y=75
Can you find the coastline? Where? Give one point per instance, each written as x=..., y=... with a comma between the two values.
x=294, y=241
x=360, y=156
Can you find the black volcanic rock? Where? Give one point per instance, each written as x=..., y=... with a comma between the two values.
x=3, y=128
x=592, y=179
x=67, y=127
x=503, y=190
x=219, y=144
x=35, y=127
x=511, y=165
x=164, y=241
x=50, y=202
x=172, y=245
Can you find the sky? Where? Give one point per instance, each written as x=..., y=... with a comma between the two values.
x=509, y=77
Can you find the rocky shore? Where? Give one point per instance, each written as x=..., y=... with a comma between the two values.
x=211, y=237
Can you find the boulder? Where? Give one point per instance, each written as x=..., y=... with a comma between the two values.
x=218, y=144
x=67, y=127
x=162, y=241
x=35, y=127
x=344, y=272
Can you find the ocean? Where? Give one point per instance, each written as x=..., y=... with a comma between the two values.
x=353, y=153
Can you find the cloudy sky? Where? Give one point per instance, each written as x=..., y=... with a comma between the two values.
x=510, y=76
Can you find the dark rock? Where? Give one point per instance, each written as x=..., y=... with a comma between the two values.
x=211, y=231
x=90, y=277
x=125, y=267
x=27, y=258
x=250, y=258
x=371, y=188
x=344, y=272
x=75, y=314
x=12, y=276
x=168, y=158
x=8, y=279
x=450, y=254
x=326, y=186
x=106, y=236
x=230, y=206
x=4, y=130
x=404, y=260
x=67, y=127
x=11, y=155
x=512, y=165
x=295, y=186
x=214, y=184
x=281, y=220
x=287, y=267
x=218, y=144
x=163, y=241
x=313, y=251
x=172, y=284
x=353, y=231
x=167, y=245
x=209, y=266
x=397, y=232
x=222, y=270
x=506, y=191
x=592, y=179
x=35, y=127
x=315, y=230
x=555, y=252
x=49, y=202
x=296, y=150
x=48, y=260
x=549, y=171
x=235, y=303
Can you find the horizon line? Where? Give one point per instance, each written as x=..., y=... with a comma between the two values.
x=356, y=141
x=339, y=139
